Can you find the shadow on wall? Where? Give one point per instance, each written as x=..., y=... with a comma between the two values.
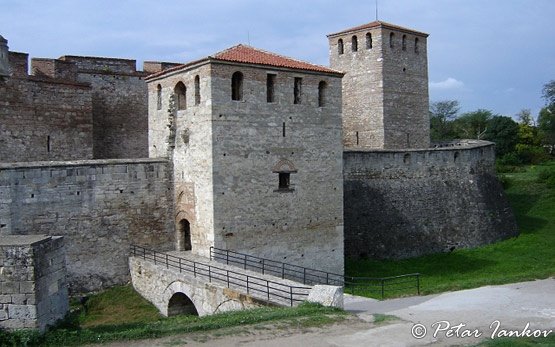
x=404, y=218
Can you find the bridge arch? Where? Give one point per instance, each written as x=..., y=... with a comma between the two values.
x=181, y=304
x=179, y=298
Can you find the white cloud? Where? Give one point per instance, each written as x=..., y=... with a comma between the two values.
x=449, y=84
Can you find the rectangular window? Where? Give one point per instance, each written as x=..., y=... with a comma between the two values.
x=284, y=182
x=297, y=90
x=270, y=85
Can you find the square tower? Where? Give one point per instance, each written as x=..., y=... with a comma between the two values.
x=385, y=87
x=256, y=145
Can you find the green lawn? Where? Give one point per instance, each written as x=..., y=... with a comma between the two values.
x=529, y=256
x=120, y=314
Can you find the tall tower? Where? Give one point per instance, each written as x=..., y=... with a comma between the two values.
x=385, y=87
x=4, y=63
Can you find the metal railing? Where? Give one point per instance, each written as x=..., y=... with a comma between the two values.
x=256, y=286
x=375, y=285
x=382, y=285
x=276, y=268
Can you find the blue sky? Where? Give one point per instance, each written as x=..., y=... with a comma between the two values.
x=493, y=54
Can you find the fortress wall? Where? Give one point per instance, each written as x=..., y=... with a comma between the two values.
x=44, y=120
x=119, y=106
x=100, y=206
x=401, y=204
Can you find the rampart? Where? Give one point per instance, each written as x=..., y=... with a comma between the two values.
x=42, y=118
x=401, y=204
x=101, y=207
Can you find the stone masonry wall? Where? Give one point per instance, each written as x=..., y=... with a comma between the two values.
x=41, y=119
x=362, y=109
x=253, y=140
x=119, y=106
x=33, y=281
x=401, y=204
x=190, y=148
x=101, y=207
x=405, y=88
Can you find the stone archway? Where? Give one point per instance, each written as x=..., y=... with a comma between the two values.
x=181, y=304
x=184, y=235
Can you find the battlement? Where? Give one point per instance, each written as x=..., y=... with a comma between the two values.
x=102, y=64
x=53, y=68
x=151, y=67
x=19, y=64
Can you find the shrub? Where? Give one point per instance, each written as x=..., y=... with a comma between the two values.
x=529, y=154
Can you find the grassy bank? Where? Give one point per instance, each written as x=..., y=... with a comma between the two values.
x=531, y=193
x=120, y=314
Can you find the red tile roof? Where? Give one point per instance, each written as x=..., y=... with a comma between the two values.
x=376, y=24
x=250, y=55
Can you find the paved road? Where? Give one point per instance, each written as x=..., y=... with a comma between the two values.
x=513, y=306
x=482, y=311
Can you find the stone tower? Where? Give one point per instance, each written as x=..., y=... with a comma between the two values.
x=4, y=63
x=385, y=88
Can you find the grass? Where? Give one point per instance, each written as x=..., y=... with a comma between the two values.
x=529, y=256
x=548, y=341
x=120, y=314
x=380, y=318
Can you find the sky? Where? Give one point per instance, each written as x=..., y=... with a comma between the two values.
x=488, y=54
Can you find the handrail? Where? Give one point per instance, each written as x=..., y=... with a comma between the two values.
x=258, y=286
x=312, y=276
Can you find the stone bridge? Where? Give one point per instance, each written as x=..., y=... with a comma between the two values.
x=184, y=283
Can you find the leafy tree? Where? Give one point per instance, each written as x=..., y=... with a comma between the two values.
x=527, y=131
x=548, y=93
x=546, y=127
x=504, y=132
x=473, y=125
x=442, y=114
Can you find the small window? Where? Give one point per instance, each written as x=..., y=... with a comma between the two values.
x=340, y=46
x=416, y=45
x=270, y=85
x=354, y=43
x=322, y=86
x=284, y=181
x=237, y=86
x=197, y=90
x=404, y=43
x=159, y=97
x=391, y=39
x=181, y=95
x=297, y=90
x=368, y=41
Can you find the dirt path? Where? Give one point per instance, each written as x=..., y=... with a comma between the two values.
x=469, y=312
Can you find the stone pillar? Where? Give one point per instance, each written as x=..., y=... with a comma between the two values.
x=33, y=285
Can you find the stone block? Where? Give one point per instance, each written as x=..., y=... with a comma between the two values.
x=22, y=312
x=331, y=296
x=10, y=287
x=26, y=287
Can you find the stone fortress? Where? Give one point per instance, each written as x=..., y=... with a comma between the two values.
x=244, y=150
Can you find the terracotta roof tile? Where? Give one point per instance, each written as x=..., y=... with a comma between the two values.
x=376, y=24
x=250, y=55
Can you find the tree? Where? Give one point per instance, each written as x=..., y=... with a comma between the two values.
x=504, y=132
x=546, y=127
x=525, y=117
x=548, y=93
x=473, y=125
x=442, y=114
